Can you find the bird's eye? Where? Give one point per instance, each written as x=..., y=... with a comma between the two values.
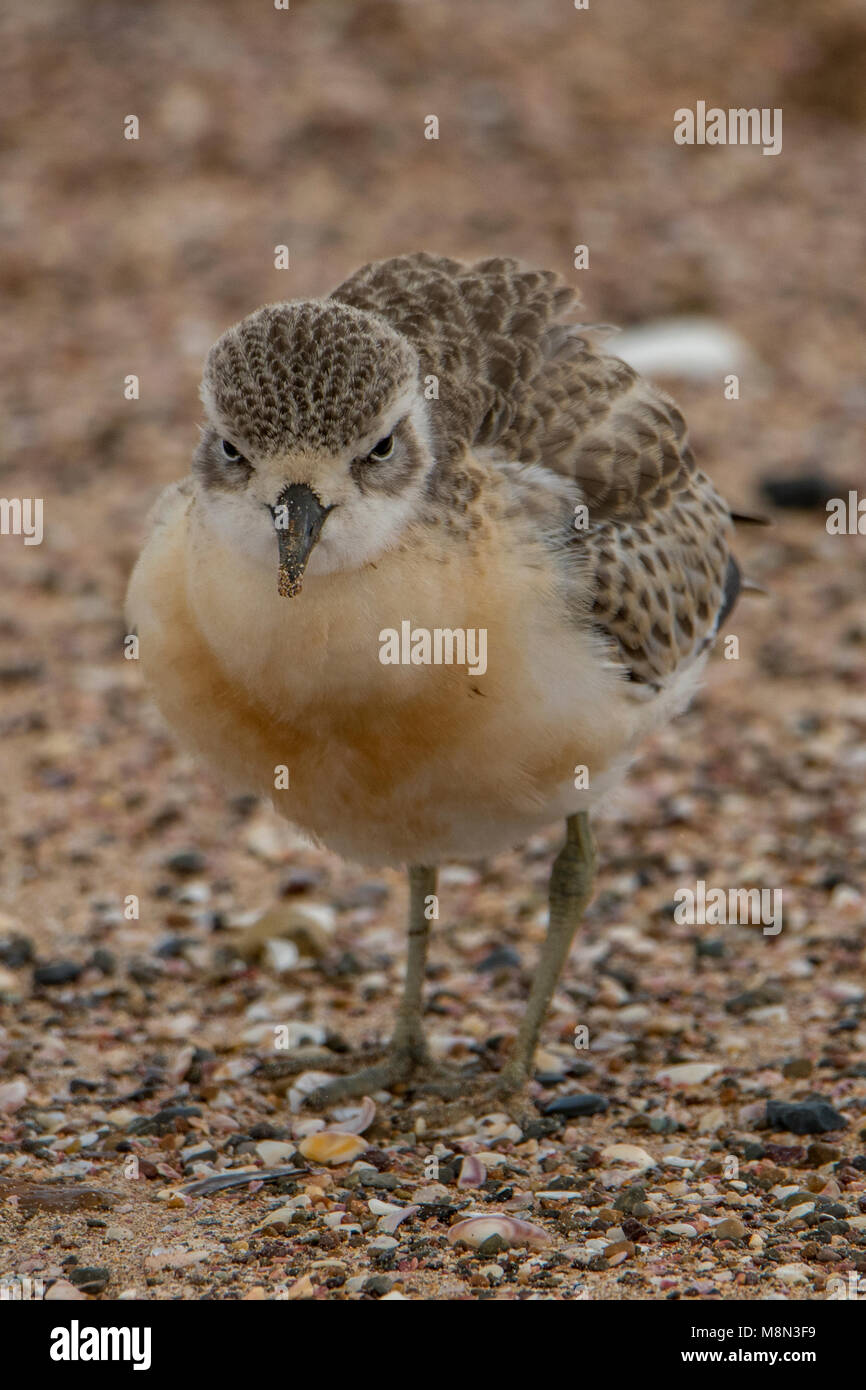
x=230, y=452
x=383, y=450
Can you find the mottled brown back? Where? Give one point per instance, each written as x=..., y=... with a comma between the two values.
x=518, y=374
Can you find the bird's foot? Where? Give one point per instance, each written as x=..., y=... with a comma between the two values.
x=475, y=1095
x=402, y=1066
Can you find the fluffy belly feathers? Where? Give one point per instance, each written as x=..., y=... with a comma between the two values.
x=386, y=763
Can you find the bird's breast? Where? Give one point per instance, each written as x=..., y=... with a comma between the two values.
x=435, y=704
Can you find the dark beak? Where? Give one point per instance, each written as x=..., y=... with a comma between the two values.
x=298, y=519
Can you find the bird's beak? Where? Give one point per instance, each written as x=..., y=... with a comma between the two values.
x=298, y=519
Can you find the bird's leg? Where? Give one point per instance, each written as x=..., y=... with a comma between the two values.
x=571, y=881
x=407, y=1048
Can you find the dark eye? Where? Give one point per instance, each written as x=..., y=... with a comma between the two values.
x=383, y=450
x=231, y=453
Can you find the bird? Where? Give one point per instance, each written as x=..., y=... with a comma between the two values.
x=442, y=562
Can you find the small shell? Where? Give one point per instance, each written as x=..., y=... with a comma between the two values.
x=356, y=1119
x=472, y=1172
x=273, y=1152
x=331, y=1147
x=12, y=1096
x=686, y=1073
x=474, y=1230
x=629, y=1154
x=388, y=1224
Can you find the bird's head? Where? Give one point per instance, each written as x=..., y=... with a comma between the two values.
x=316, y=450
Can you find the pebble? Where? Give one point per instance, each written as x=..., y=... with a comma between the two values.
x=818, y=1154
x=186, y=861
x=58, y=972
x=89, y=1279
x=383, y=1243
x=616, y=1253
x=729, y=1229
x=378, y=1284
x=804, y=1117
x=584, y=1103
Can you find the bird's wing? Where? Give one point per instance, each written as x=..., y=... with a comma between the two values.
x=515, y=372
x=519, y=376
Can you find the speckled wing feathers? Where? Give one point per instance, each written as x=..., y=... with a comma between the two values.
x=518, y=374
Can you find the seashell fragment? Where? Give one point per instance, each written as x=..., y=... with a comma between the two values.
x=476, y=1228
x=630, y=1154
x=473, y=1172
x=331, y=1147
x=357, y=1118
x=686, y=1074
x=388, y=1224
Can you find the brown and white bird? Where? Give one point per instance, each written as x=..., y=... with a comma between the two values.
x=442, y=446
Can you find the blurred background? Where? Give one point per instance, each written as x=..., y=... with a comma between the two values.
x=306, y=128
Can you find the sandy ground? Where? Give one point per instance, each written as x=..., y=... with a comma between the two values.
x=138, y=1055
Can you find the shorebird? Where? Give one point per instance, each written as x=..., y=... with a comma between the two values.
x=432, y=451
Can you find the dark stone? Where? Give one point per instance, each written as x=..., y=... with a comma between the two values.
x=800, y=491
x=804, y=1117
x=769, y=993
x=538, y=1129
x=173, y=946
x=89, y=1279
x=378, y=1284
x=664, y=1124
x=16, y=950
x=796, y=1068
x=562, y=1183
x=186, y=861
x=382, y=1180
x=584, y=1103
x=633, y=1230
x=831, y=1208
x=633, y=1196
x=784, y=1154
x=818, y=1154
x=263, y=1130
x=58, y=972
x=502, y=958
x=102, y=960
x=714, y=948
x=300, y=881
x=20, y=672
x=493, y=1245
